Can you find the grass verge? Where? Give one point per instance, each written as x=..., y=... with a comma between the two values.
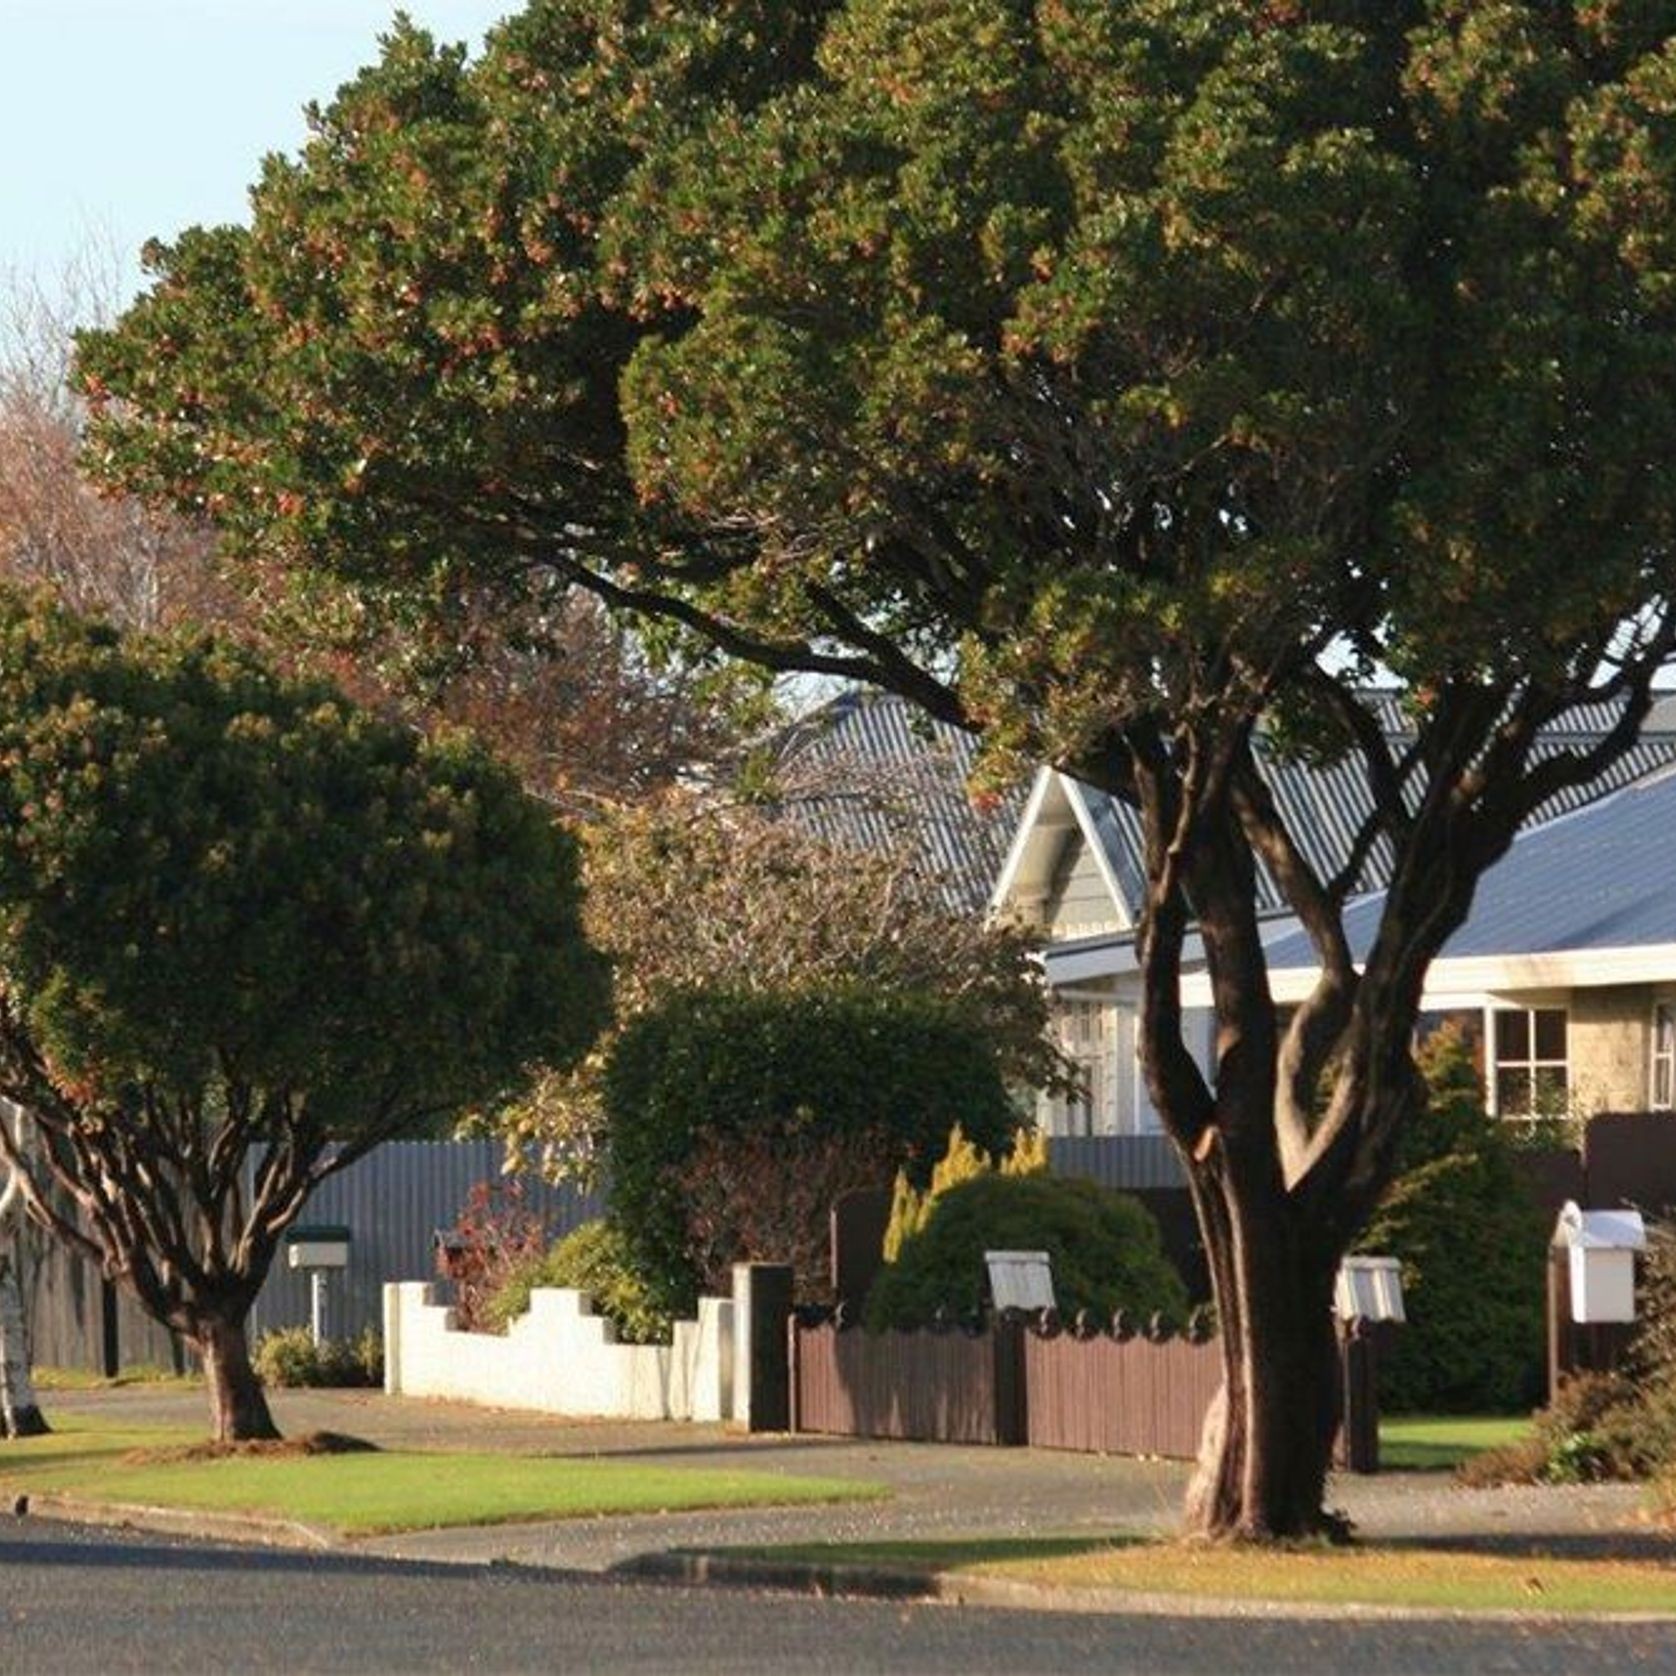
x=1378, y=1575
x=84, y=1379
x=1433, y=1442
x=382, y=1491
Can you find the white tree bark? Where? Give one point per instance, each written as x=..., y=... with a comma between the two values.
x=20, y=1413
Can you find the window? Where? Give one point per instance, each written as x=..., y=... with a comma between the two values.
x=1530, y=1061
x=1661, y=1080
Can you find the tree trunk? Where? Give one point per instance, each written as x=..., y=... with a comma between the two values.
x=1268, y=1438
x=20, y=1414
x=238, y=1407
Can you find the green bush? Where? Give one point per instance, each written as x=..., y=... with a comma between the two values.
x=702, y=1068
x=593, y=1259
x=1472, y=1243
x=289, y=1357
x=1104, y=1247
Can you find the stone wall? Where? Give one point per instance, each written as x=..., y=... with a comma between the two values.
x=1608, y=1047
x=560, y=1358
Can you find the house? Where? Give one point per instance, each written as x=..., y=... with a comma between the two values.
x=1553, y=1020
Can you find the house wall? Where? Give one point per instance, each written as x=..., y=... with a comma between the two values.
x=1078, y=899
x=560, y=1358
x=1607, y=1043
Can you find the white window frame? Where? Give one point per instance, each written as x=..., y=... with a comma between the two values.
x=1661, y=1057
x=1532, y=1064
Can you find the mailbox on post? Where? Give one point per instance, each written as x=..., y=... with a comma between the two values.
x=1020, y=1280
x=318, y=1249
x=1369, y=1289
x=1600, y=1248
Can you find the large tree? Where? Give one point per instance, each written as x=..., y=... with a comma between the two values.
x=1126, y=380
x=247, y=932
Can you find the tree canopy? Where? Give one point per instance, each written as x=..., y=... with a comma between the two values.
x=237, y=913
x=1120, y=379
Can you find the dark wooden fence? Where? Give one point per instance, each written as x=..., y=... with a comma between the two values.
x=1028, y=1380
x=951, y=1386
x=1119, y=1396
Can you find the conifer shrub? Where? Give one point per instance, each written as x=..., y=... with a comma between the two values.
x=1103, y=1246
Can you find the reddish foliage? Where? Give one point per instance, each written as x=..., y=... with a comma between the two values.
x=494, y=1235
x=769, y=1200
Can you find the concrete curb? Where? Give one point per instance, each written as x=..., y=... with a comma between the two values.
x=714, y=1568
x=204, y=1524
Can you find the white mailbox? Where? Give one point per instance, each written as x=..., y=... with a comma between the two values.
x=1369, y=1289
x=1600, y=1250
x=1020, y=1279
x=317, y=1248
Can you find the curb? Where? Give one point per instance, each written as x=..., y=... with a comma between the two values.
x=719, y=1569
x=206, y=1525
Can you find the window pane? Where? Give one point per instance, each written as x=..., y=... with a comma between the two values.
x=1513, y=1093
x=1661, y=1083
x=1664, y=1029
x=1550, y=1090
x=1550, y=1033
x=1513, y=1035
x=1468, y=1023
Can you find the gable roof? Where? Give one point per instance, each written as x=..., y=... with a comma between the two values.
x=868, y=770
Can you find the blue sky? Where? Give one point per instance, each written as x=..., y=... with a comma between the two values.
x=121, y=119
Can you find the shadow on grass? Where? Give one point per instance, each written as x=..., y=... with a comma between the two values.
x=942, y=1555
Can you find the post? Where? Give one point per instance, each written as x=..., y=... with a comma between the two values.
x=762, y=1294
x=1359, y=1359
x=317, y=1305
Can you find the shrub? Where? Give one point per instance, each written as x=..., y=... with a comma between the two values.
x=494, y=1236
x=1612, y=1425
x=593, y=1259
x=786, y=1071
x=1472, y=1243
x=289, y=1357
x=1104, y=1247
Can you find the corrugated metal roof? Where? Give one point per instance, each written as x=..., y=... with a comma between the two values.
x=870, y=770
x=1599, y=877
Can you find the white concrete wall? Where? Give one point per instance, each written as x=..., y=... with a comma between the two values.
x=560, y=1358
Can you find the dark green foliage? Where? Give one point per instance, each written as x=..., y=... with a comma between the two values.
x=593, y=1259
x=1472, y=1243
x=759, y=1066
x=1104, y=1247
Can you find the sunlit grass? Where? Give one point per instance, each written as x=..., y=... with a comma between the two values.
x=1420, y=1442
x=376, y=1491
x=1377, y=1575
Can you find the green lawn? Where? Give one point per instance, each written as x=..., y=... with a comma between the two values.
x=363, y=1494
x=1437, y=1579
x=1431, y=1441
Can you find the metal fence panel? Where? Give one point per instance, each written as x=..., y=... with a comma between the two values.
x=393, y=1202
x=1126, y=1161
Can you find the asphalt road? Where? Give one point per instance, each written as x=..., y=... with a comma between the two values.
x=79, y=1599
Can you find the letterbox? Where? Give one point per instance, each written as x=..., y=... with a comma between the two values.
x=320, y=1246
x=1600, y=1249
x=1369, y=1289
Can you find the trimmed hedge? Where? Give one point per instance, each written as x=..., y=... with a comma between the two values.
x=841, y=1062
x=1103, y=1245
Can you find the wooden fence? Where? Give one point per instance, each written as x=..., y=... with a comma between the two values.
x=1024, y=1379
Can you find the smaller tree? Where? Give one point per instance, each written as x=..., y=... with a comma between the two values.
x=247, y=932
x=689, y=895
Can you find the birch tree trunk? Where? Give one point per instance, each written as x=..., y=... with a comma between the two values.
x=20, y=1413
